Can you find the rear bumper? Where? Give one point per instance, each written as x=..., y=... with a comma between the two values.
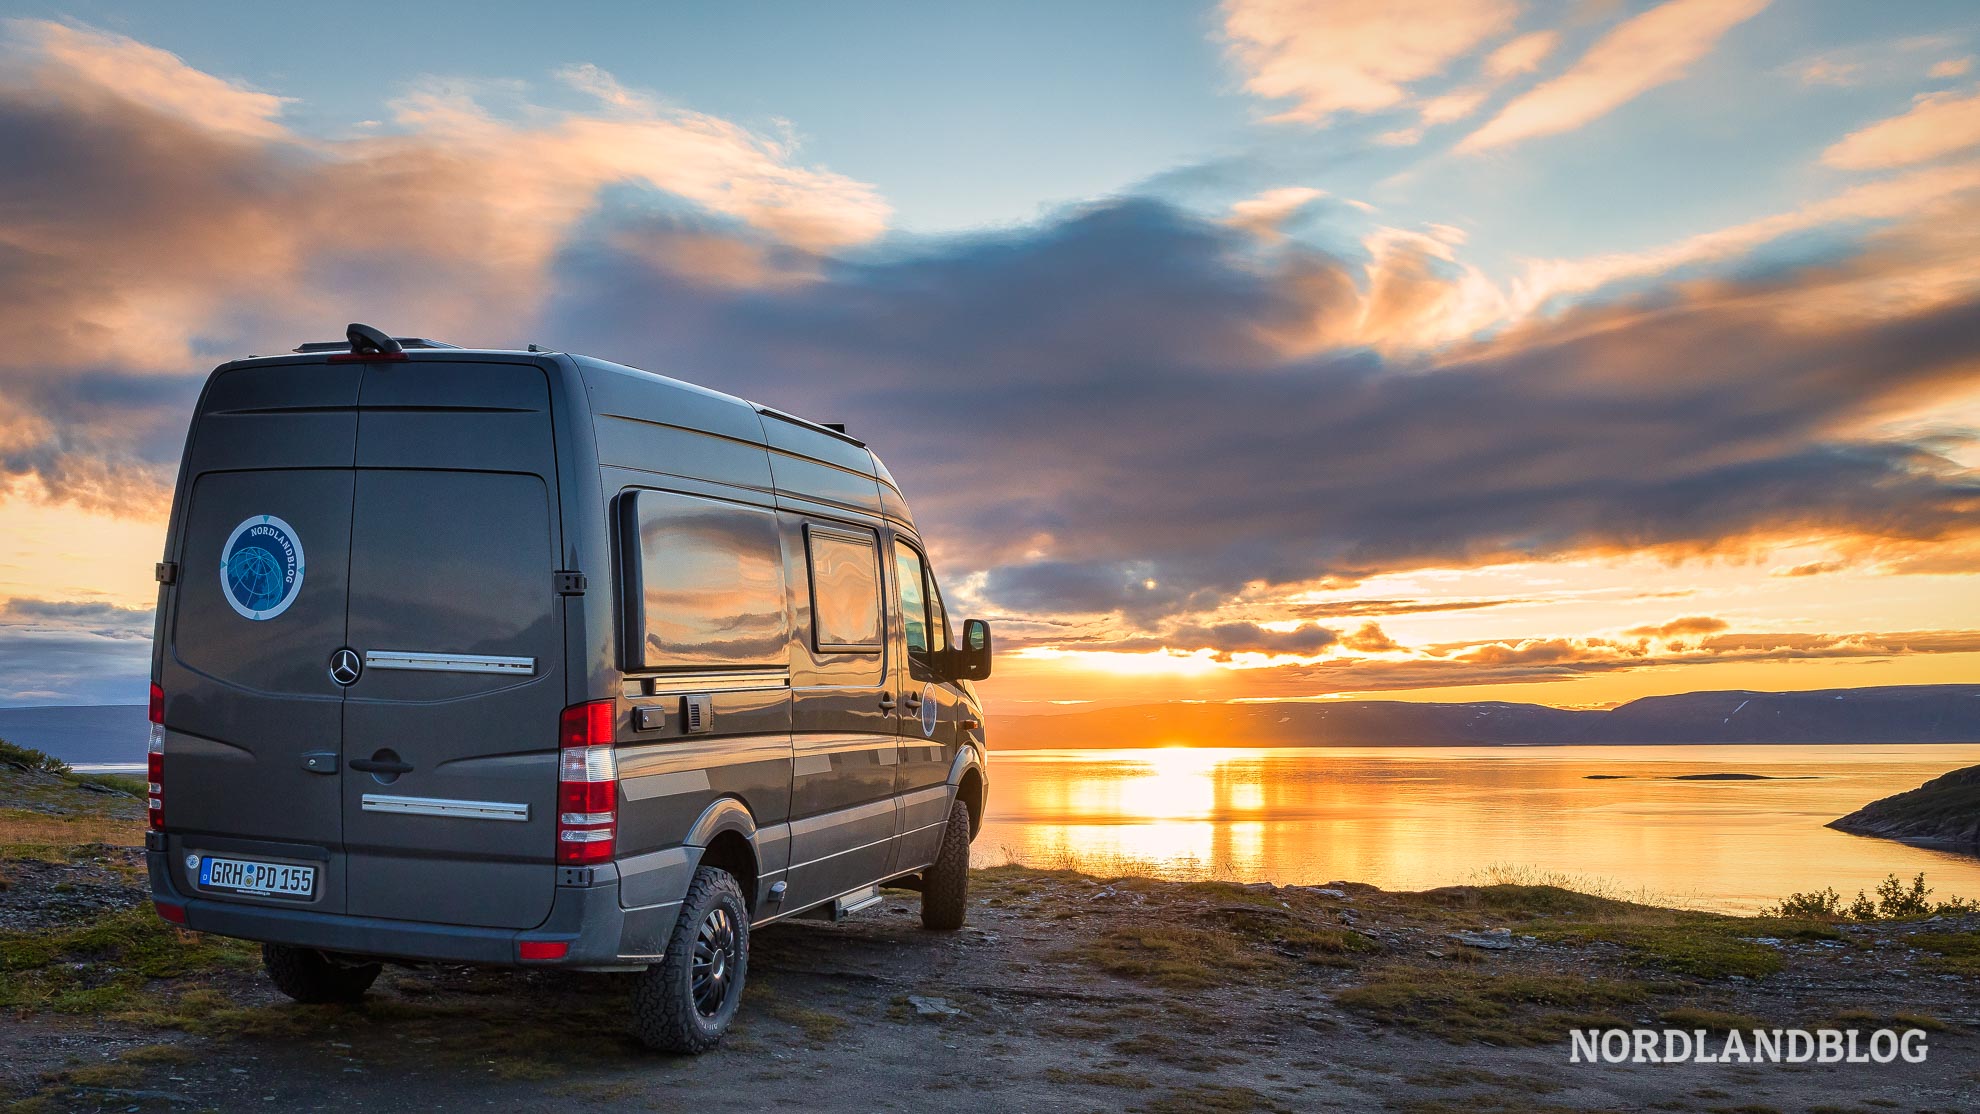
x=585, y=918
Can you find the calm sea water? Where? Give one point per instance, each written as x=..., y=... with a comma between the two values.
x=1416, y=817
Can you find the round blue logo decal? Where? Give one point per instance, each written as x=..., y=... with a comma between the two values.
x=261, y=567
x=929, y=711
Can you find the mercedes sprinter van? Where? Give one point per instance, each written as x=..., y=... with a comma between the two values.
x=527, y=658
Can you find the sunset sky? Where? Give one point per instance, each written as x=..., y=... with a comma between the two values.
x=1441, y=349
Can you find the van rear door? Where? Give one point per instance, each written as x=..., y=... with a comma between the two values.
x=252, y=715
x=450, y=734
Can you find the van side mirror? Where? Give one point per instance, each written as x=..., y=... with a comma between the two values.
x=972, y=655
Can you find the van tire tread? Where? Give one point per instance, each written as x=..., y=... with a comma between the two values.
x=663, y=1013
x=310, y=977
x=945, y=885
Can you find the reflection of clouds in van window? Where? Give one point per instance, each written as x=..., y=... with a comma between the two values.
x=712, y=582
x=845, y=591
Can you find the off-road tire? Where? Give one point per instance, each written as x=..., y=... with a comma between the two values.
x=310, y=977
x=945, y=886
x=665, y=1014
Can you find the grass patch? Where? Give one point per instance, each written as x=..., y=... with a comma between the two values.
x=102, y=1075
x=1956, y=953
x=1189, y=1056
x=1510, y=1009
x=1713, y=1021
x=1214, y=1100
x=1449, y=1078
x=818, y=1026
x=1702, y=945
x=1117, y=1079
x=1292, y=936
x=159, y=1054
x=56, y=837
x=1174, y=956
x=1877, y=1019
x=105, y=966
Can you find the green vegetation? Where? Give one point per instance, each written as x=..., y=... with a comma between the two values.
x=1894, y=902
x=1713, y=1021
x=1954, y=953
x=1488, y=1007
x=1701, y=946
x=30, y=759
x=1174, y=956
x=104, y=967
x=1118, y=1079
x=1214, y=1100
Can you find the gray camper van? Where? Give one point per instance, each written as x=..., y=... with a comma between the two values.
x=526, y=658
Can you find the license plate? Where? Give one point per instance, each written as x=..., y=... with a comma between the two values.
x=246, y=876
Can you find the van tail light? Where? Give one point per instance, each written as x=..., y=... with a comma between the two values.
x=587, y=783
x=154, y=761
x=174, y=913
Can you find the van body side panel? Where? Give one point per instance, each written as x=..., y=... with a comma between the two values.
x=247, y=699
x=453, y=605
x=842, y=784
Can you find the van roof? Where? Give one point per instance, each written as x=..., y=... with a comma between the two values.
x=800, y=430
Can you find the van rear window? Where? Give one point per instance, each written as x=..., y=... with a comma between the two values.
x=845, y=589
x=710, y=583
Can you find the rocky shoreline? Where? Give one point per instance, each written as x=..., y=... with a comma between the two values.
x=1942, y=813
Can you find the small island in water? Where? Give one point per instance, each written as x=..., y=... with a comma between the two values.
x=1943, y=812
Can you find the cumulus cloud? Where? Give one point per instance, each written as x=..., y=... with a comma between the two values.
x=1097, y=362
x=159, y=219
x=1936, y=125
x=1361, y=56
x=1648, y=50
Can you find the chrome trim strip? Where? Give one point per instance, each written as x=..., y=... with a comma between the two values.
x=673, y=683
x=444, y=806
x=448, y=663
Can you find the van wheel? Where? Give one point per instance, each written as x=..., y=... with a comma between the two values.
x=310, y=977
x=945, y=886
x=686, y=1002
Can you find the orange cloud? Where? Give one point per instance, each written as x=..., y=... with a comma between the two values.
x=146, y=75
x=1689, y=624
x=1936, y=125
x=1329, y=57
x=1649, y=50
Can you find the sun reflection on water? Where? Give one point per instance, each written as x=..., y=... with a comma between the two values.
x=1414, y=817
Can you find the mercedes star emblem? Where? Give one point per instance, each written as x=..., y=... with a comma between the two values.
x=346, y=666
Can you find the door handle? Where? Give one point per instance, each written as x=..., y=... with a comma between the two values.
x=913, y=702
x=887, y=702
x=380, y=766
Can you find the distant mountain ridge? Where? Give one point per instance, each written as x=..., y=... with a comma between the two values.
x=1892, y=714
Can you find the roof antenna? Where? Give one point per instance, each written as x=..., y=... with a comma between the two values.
x=366, y=340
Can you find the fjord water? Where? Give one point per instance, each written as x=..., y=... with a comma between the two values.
x=1417, y=817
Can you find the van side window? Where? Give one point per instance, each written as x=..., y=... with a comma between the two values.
x=709, y=585
x=845, y=589
x=923, y=619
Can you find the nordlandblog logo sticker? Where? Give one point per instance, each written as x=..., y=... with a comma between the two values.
x=261, y=567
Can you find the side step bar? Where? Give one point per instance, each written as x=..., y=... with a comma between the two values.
x=843, y=906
